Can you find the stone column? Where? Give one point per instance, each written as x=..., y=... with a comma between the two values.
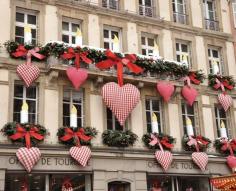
x=196, y=11
x=2, y=180
x=88, y=182
x=93, y=28
x=167, y=44
x=164, y=9
x=225, y=16
x=99, y=179
x=130, y=6
x=133, y=38
x=231, y=59
x=140, y=181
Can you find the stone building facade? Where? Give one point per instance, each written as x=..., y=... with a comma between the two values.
x=200, y=29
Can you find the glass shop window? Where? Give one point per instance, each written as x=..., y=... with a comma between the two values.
x=119, y=186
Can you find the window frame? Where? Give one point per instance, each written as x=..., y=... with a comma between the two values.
x=161, y=124
x=25, y=23
x=181, y=53
x=71, y=103
x=143, y=8
x=24, y=98
x=146, y=47
x=234, y=11
x=219, y=60
x=109, y=40
x=107, y=4
x=178, y=13
x=70, y=33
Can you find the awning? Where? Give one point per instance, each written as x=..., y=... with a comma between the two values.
x=224, y=183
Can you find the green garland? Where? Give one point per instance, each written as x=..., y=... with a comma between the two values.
x=147, y=138
x=228, y=79
x=218, y=145
x=202, y=147
x=89, y=131
x=115, y=138
x=159, y=66
x=10, y=129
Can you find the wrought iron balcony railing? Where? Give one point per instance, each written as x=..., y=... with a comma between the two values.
x=111, y=4
x=212, y=25
x=146, y=11
x=180, y=18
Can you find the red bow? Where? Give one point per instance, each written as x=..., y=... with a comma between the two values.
x=77, y=55
x=222, y=85
x=21, y=51
x=77, y=135
x=228, y=145
x=201, y=141
x=193, y=78
x=21, y=132
x=164, y=141
x=197, y=141
x=67, y=184
x=113, y=59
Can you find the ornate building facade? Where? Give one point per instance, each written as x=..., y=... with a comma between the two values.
x=198, y=33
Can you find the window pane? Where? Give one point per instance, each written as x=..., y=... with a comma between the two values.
x=19, y=17
x=155, y=105
x=66, y=109
x=65, y=38
x=222, y=113
x=105, y=33
x=79, y=110
x=109, y=124
x=17, y=105
x=184, y=47
x=32, y=19
x=177, y=46
x=16, y=117
x=66, y=121
x=79, y=122
x=148, y=3
x=178, y=58
x=19, y=31
x=144, y=52
x=32, y=118
x=190, y=109
x=148, y=117
x=66, y=95
x=180, y=8
x=33, y=31
x=73, y=39
x=118, y=126
x=106, y=45
x=65, y=26
x=113, y=33
x=18, y=91
x=74, y=27
x=150, y=42
x=143, y=40
x=31, y=92
x=77, y=97
x=209, y=52
x=32, y=106
x=20, y=40
x=215, y=53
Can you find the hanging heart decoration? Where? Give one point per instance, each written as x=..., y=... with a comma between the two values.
x=164, y=158
x=77, y=76
x=121, y=100
x=166, y=90
x=200, y=159
x=189, y=94
x=225, y=100
x=81, y=154
x=28, y=157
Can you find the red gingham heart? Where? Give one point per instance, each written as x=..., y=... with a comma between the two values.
x=200, y=159
x=77, y=76
x=189, y=94
x=166, y=90
x=28, y=73
x=164, y=158
x=81, y=154
x=121, y=100
x=28, y=157
x=225, y=100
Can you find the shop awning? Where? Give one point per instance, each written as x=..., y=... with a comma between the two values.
x=224, y=183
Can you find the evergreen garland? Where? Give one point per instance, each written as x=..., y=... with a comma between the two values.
x=228, y=79
x=147, y=138
x=89, y=131
x=114, y=138
x=218, y=145
x=10, y=129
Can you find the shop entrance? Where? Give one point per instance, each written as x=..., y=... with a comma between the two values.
x=118, y=186
x=178, y=183
x=47, y=182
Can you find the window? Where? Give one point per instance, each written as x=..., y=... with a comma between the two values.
x=146, y=8
x=183, y=53
x=191, y=113
x=109, y=35
x=234, y=11
x=30, y=96
x=69, y=30
x=210, y=15
x=179, y=11
x=221, y=116
x=148, y=44
x=119, y=185
x=112, y=122
x=111, y=4
x=70, y=98
x=153, y=106
x=215, y=62
x=23, y=20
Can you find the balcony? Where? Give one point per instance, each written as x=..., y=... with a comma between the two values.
x=146, y=11
x=180, y=18
x=111, y=4
x=211, y=25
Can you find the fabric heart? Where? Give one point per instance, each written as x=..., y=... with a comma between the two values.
x=28, y=157
x=200, y=159
x=166, y=90
x=225, y=100
x=28, y=73
x=77, y=76
x=164, y=158
x=81, y=154
x=189, y=94
x=231, y=161
x=121, y=100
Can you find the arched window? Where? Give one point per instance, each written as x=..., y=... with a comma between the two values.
x=118, y=186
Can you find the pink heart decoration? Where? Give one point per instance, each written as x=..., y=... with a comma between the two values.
x=200, y=159
x=81, y=154
x=166, y=90
x=189, y=94
x=164, y=158
x=121, y=100
x=28, y=73
x=28, y=157
x=231, y=161
x=225, y=100
x=77, y=76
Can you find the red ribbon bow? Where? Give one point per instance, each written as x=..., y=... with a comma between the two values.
x=192, y=76
x=21, y=132
x=77, y=55
x=228, y=145
x=222, y=85
x=77, y=135
x=67, y=184
x=187, y=80
x=164, y=141
x=21, y=51
x=113, y=59
x=192, y=141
